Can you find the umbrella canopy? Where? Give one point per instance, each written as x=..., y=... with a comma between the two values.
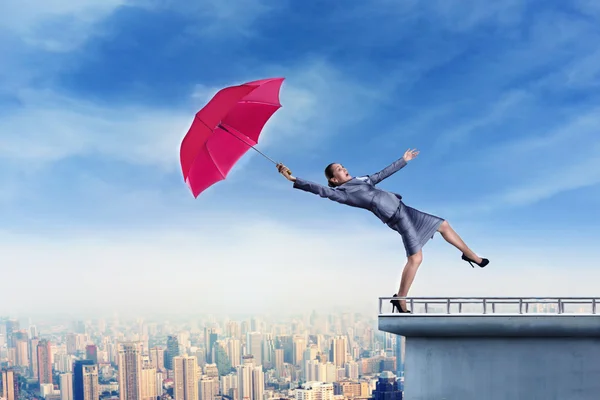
x=224, y=130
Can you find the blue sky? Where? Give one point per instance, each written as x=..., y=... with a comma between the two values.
x=501, y=98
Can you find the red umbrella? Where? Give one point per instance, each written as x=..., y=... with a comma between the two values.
x=224, y=130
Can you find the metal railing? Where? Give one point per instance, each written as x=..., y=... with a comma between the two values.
x=492, y=305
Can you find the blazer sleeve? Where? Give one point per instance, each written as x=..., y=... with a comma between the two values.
x=323, y=191
x=387, y=171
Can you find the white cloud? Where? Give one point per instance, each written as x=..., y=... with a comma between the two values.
x=317, y=103
x=508, y=104
x=50, y=128
x=540, y=166
x=54, y=25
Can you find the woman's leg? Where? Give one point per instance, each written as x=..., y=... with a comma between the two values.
x=452, y=237
x=408, y=275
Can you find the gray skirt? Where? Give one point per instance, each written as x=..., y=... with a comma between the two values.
x=415, y=227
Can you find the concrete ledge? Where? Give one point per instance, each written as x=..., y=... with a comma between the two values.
x=492, y=325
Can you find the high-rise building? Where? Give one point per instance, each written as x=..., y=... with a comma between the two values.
x=157, y=358
x=66, y=386
x=149, y=391
x=258, y=383
x=279, y=358
x=33, y=360
x=209, y=388
x=71, y=343
x=210, y=338
x=91, y=353
x=298, y=347
x=315, y=391
x=254, y=346
x=44, y=361
x=233, y=351
x=12, y=326
x=251, y=380
x=399, y=353
x=185, y=378
x=172, y=351
x=9, y=384
x=387, y=387
x=130, y=370
x=22, y=352
x=339, y=349
x=85, y=380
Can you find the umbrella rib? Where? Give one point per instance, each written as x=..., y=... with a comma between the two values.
x=208, y=149
x=213, y=160
x=260, y=102
x=247, y=144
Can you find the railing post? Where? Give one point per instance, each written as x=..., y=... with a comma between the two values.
x=412, y=304
x=448, y=306
x=484, y=306
x=520, y=306
x=560, y=306
x=594, y=306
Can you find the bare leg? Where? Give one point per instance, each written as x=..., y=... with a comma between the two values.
x=452, y=237
x=408, y=276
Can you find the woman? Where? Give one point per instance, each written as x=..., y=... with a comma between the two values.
x=414, y=226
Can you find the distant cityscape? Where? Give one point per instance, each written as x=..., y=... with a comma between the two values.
x=310, y=357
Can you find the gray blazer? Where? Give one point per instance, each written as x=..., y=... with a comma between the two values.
x=361, y=192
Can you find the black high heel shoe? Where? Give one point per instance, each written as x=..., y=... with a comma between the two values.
x=484, y=261
x=396, y=305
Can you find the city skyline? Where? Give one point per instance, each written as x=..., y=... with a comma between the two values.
x=251, y=358
x=500, y=98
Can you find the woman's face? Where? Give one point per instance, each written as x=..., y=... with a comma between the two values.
x=340, y=174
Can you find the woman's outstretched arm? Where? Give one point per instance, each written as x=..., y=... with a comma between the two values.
x=312, y=187
x=393, y=167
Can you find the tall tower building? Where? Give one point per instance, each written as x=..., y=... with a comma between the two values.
x=149, y=387
x=258, y=383
x=12, y=326
x=279, y=358
x=9, y=384
x=298, y=347
x=22, y=352
x=33, y=360
x=251, y=380
x=209, y=388
x=172, y=351
x=44, y=361
x=66, y=386
x=234, y=352
x=130, y=370
x=185, y=377
x=268, y=351
x=157, y=358
x=91, y=353
x=85, y=380
x=339, y=348
x=254, y=346
x=210, y=338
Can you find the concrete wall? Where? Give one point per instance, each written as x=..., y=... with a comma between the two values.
x=495, y=368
